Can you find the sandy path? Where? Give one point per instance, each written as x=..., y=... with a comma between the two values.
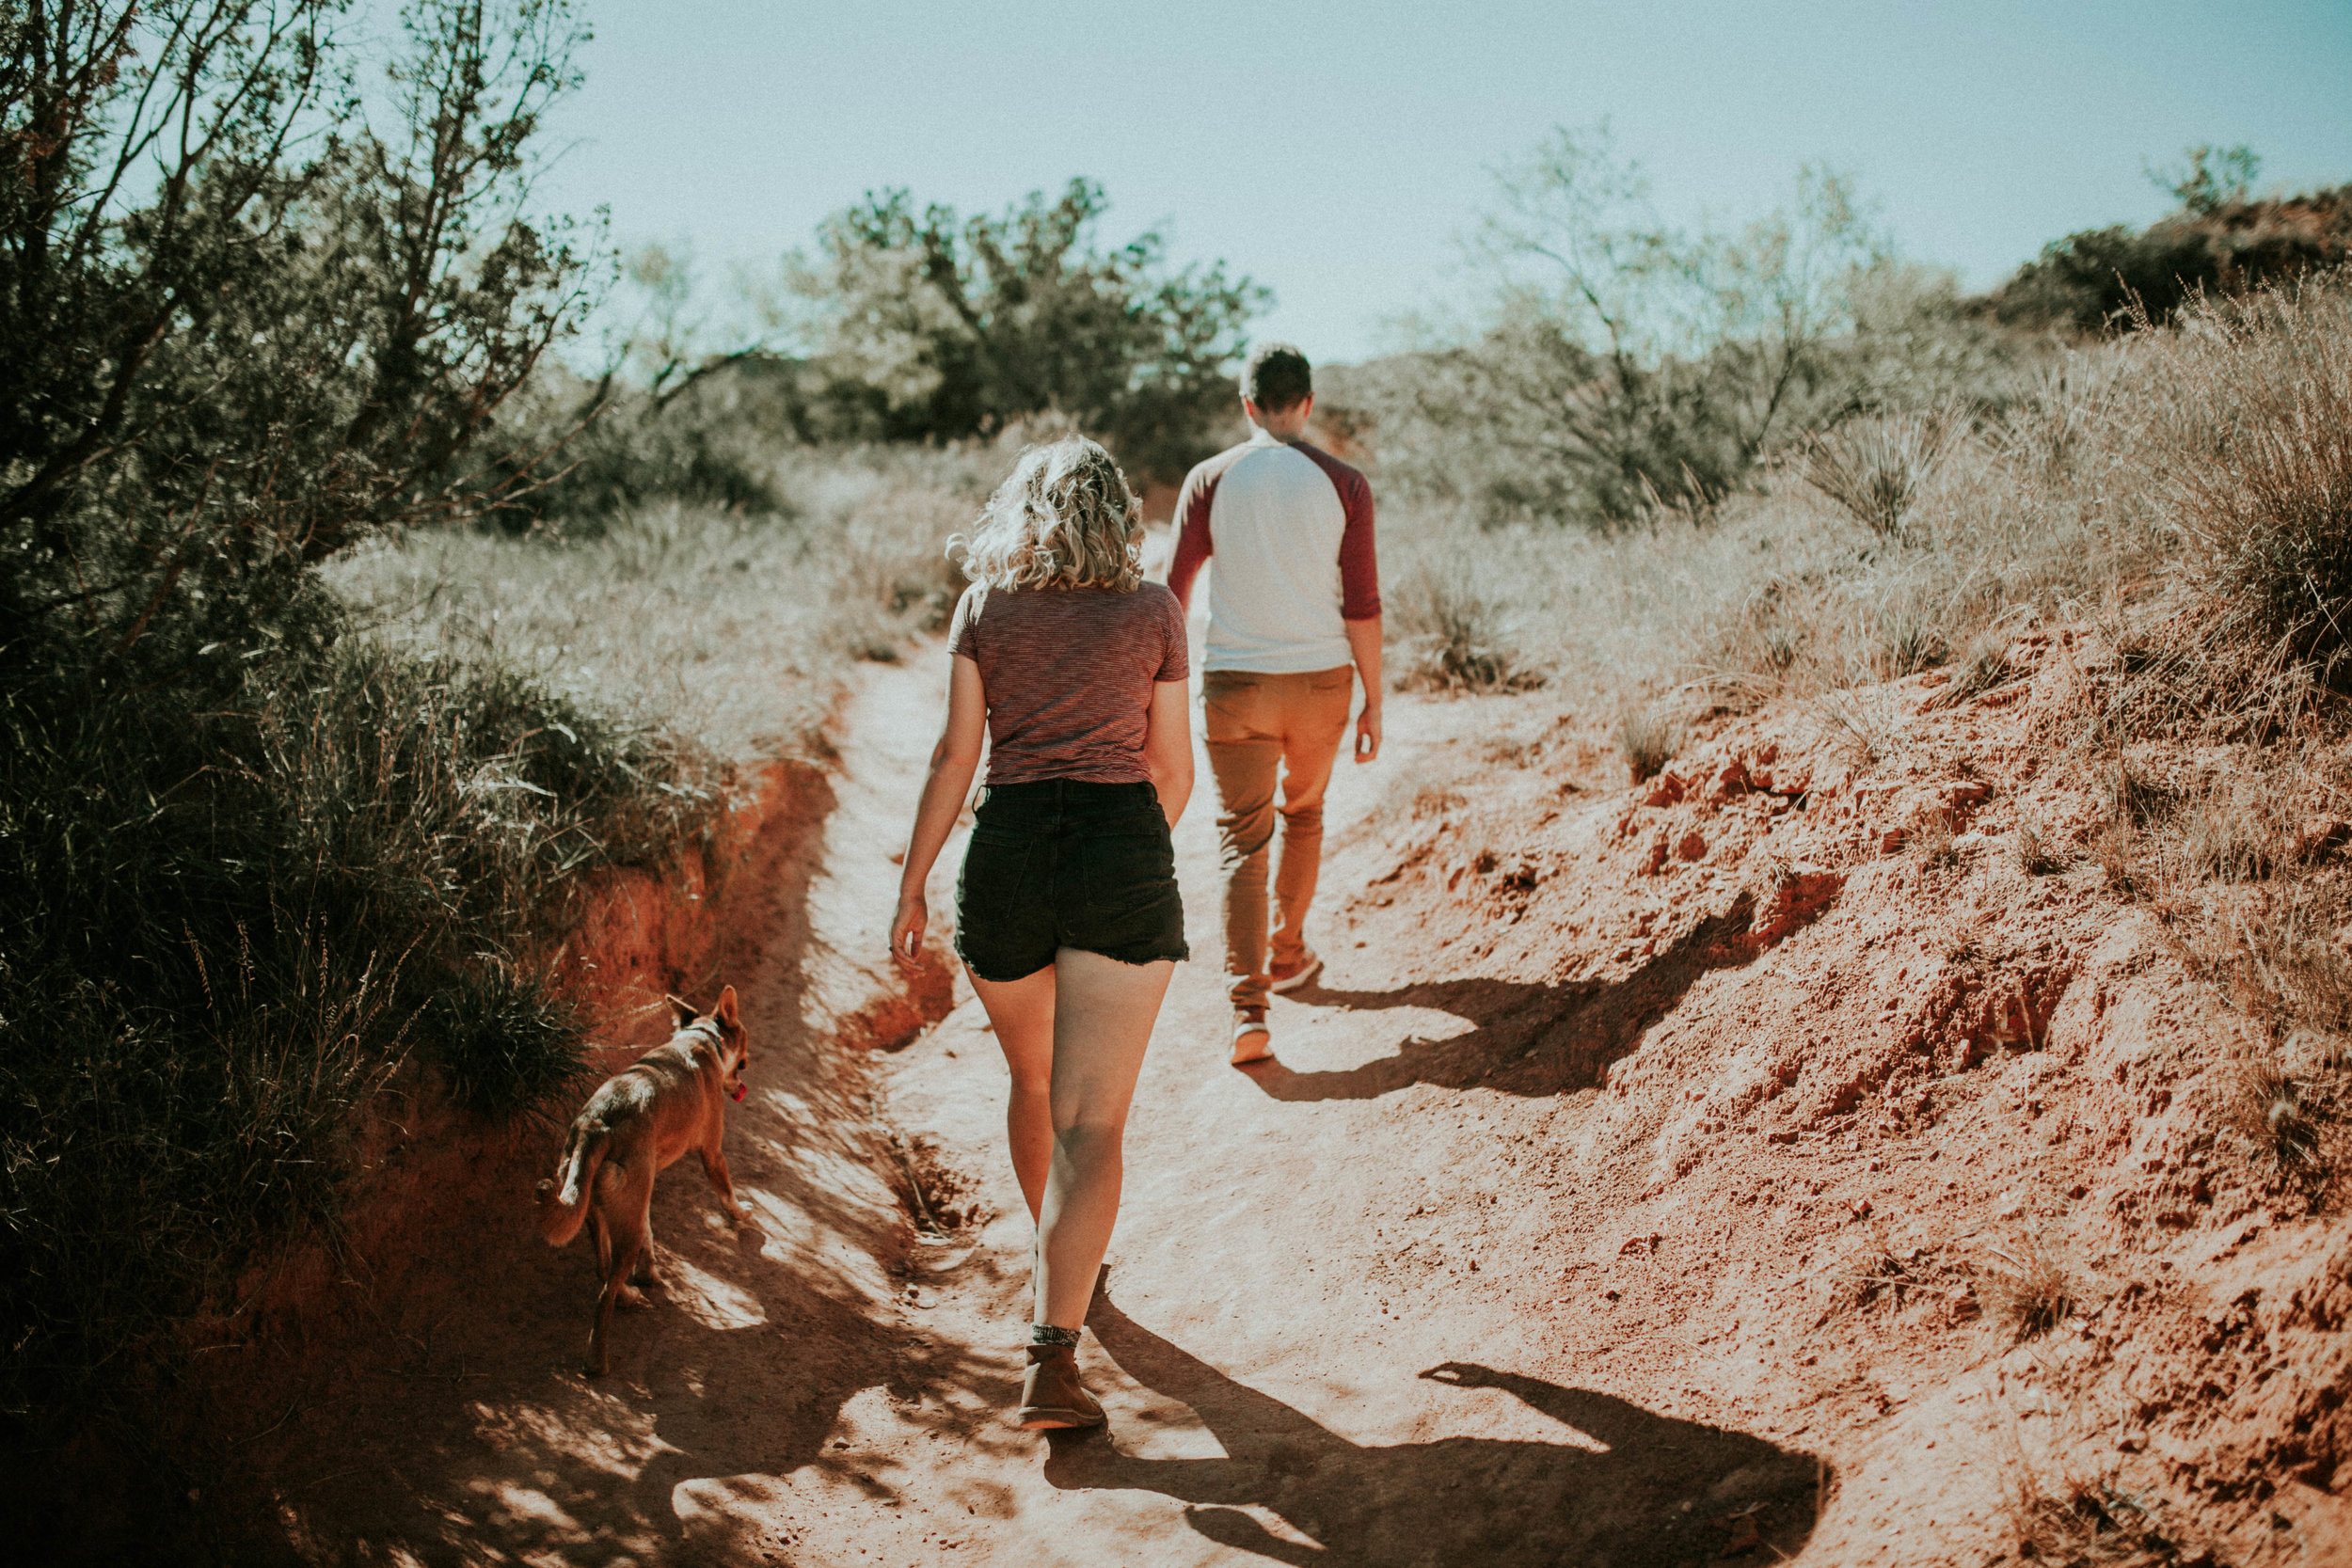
x=1278, y=1390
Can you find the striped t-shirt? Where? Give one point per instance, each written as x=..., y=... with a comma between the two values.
x=1068, y=673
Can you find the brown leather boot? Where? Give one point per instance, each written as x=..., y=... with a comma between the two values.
x=1051, y=1394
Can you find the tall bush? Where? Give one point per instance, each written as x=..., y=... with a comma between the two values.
x=944, y=327
x=1624, y=363
x=2223, y=240
x=243, y=323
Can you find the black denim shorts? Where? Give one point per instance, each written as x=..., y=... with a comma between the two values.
x=1060, y=864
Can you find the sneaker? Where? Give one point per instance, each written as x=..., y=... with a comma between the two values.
x=1051, y=1394
x=1285, y=978
x=1252, y=1040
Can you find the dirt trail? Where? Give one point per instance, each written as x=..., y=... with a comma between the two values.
x=1272, y=1393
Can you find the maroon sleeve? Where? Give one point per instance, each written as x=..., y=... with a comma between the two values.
x=964, y=632
x=1176, y=663
x=1360, y=563
x=1193, y=545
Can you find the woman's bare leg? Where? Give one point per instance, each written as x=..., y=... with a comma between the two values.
x=1021, y=1013
x=1103, y=1011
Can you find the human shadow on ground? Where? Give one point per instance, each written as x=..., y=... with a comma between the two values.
x=1642, y=1491
x=1530, y=1039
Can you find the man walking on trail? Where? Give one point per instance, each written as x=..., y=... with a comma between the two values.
x=1294, y=619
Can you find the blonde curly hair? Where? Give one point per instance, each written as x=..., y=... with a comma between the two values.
x=1065, y=518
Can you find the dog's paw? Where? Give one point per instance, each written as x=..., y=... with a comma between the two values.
x=629, y=1295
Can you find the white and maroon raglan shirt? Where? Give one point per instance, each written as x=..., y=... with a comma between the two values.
x=1291, y=528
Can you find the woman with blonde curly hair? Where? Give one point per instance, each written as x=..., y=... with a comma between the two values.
x=1067, y=914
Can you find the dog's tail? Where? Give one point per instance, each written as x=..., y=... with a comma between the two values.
x=561, y=1212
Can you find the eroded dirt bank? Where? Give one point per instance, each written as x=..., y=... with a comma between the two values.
x=1646, y=1182
x=436, y=1413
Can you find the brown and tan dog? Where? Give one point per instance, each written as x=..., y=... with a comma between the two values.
x=640, y=1122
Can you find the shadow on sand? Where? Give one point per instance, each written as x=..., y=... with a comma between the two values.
x=1530, y=1039
x=1642, y=1490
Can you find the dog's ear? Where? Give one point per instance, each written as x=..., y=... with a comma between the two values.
x=724, y=1011
x=681, y=1013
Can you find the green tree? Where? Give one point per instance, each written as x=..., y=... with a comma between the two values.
x=2208, y=178
x=2222, y=241
x=248, y=314
x=948, y=327
x=241, y=322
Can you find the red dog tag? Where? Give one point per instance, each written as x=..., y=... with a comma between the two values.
x=739, y=1090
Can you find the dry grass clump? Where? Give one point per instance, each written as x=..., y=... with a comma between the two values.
x=1457, y=637
x=1909, y=639
x=2263, y=1102
x=1868, y=724
x=2267, y=951
x=1876, y=468
x=2027, y=1287
x=730, y=628
x=1983, y=665
x=2036, y=853
x=2263, y=479
x=2082, y=1523
x=1649, y=735
x=1933, y=839
x=2138, y=797
x=2233, y=833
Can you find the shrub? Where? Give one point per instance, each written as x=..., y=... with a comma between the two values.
x=228, y=921
x=960, y=327
x=595, y=453
x=2263, y=482
x=1875, y=468
x=249, y=325
x=2218, y=244
x=1454, y=636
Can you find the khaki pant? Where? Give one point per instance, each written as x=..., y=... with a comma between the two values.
x=1258, y=726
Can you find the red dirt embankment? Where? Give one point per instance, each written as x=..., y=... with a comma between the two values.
x=413, y=1394
x=1841, y=1084
x=421, y=1162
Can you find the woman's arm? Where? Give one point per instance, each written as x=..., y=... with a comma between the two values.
x=1167, y=746
x=954, y=760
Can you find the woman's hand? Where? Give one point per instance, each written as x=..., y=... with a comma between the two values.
x=954, y=760
x=906, y=928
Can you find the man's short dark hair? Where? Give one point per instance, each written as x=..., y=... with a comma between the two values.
x=1276, y=377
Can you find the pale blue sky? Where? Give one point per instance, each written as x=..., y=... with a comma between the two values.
x=1334, y=151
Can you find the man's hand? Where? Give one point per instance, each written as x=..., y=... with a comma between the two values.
x=1363, y=646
